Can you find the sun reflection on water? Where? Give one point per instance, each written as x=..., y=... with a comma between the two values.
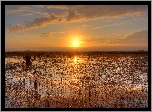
x=75, y=60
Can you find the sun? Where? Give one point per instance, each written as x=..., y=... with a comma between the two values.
x=75, y=41
x=75, y=44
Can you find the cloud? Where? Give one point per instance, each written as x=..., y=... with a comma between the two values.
x=38, y=22
x=93, y=11
x=74, y=13
x=134, y=38
x=82, y=42
x=24, y=35
x=16, y=27
x=98, y=27
x=61, y=32
x=17, y=8
x=12, y=36
x=145, y=18
x=142, y=34
x=31, y=12
x=106, y=11
x=23, y=10
x=26, y=14
x=45, y=35
x=48, y=34
x=74, y=17
x=57, y=6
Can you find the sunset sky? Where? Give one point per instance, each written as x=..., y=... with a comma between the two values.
x=93, y=27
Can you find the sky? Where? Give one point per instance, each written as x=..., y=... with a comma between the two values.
x=83, y=27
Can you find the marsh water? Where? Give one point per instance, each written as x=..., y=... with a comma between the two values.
x=76, y=80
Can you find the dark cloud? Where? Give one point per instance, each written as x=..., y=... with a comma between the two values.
x=74, y=17
x=44, y=35
x=142, y=34
x=136, y=38
x=47, y=34
x=38, y=22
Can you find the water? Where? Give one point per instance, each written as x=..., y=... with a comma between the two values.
x=77, y=80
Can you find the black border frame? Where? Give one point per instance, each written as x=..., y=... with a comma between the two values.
x=3, y=3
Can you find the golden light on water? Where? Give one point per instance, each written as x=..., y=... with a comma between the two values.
x=75, y=60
